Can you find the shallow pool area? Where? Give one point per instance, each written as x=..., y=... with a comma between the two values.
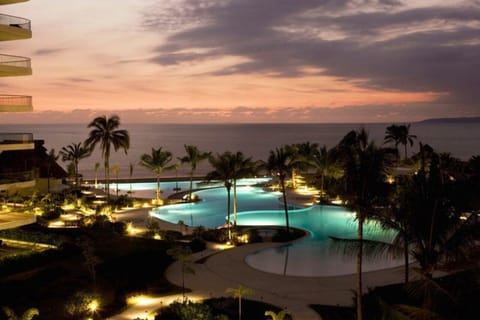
x=314, y=256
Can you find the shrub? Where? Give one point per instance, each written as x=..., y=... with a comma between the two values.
x=187, y=311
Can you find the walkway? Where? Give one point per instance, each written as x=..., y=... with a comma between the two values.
x=227, y=269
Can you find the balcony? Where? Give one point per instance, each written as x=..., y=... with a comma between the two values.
x=11, y=1
x=14, y=66
x=16, y=141
x=11, y=181
x=14, y=28
x=15, y=103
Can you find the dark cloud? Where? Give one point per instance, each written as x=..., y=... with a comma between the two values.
x=44, y=52
x=78, y=80
x=378, y=44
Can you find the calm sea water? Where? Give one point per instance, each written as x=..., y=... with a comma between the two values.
x=462, y=140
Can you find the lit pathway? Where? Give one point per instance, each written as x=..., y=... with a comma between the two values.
x=227, y=269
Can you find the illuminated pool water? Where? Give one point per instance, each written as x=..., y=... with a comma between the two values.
x=315, y=255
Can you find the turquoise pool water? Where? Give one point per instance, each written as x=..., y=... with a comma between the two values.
x=316, y=255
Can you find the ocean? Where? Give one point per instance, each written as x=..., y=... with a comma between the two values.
x=462, y=140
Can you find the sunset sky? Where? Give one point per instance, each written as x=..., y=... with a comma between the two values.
x=248, y=60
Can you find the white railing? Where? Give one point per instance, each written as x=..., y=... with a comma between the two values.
x=15, y=61
x=16, y=22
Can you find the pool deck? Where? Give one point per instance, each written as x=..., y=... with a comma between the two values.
x=227, y=269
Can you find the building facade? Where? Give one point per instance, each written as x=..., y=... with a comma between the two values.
x=14, y=178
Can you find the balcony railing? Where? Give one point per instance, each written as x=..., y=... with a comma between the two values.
x=6, y=138
x=16, y=177
x=12, y=27
x=16, y=141
x=15, y=103
x=14, y=65
x=11, y=1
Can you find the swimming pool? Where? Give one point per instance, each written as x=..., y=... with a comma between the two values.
x=315, y=255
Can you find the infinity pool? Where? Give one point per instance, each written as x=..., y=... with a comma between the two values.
x=316, y=255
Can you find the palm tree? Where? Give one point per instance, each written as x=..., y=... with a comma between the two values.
x=193, y=157
x=365, y=169
x=302, y=155
x=240, y=292
x=29, y=314
x=280, y=163
x=325, y=165
x=223, y=170
x=440, y=233
x=399, y=134
x=278, y=316
x=74, y=153
x=242, y=167
x=105, y=132
x=158, y=161
x=399, y=218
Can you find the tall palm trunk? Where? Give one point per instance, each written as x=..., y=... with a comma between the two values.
x=107, y=180
x=157, y=199
x=76, y=173
x=234, y=203
x=228, y=186
x=191, y=186
x=359, y=265
x=406, y=253
x=107, y=171
x=284, y=195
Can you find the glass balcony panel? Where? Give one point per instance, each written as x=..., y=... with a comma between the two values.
x=12, y=28
x=14, y=66
x=15, y=103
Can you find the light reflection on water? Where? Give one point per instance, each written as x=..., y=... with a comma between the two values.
x=315, y=255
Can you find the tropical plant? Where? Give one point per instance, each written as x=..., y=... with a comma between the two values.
x=304, y=154
x=186, y=310
x=399, y=134
x=280, y=163
x=223, y=170
x=441, y=233
x=105, y=132
x=193, y=157
x=158, y=162
x=240, y=292
x=278, y=316
x=365, y=169
x=74, y=153
x=29, y=314
x=325, y=165
x=82, y=304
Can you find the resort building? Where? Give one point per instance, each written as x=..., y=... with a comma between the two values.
x=17, y=177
